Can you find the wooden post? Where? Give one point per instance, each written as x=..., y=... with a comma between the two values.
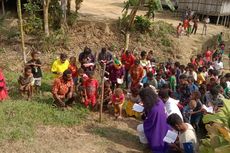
x=218, y=19
x=225, y=19
x=222, y=20
x=3, y=7
x=19, y=9
x=102, y=92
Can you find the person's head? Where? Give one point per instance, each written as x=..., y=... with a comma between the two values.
x=183, y=79
x=27, y=71
x=90, y=74
x=204, y=68
x=210, y=72
x=72, y=60
x=137, y=62
x=175, y=121
x=182, y=68
x=192, y=104
x=180, y=24
x=190, y=79
x=220, y=89
x=202, y=89
x=177, y=64
x=212, y=81
x=87, y=50
x=173, y=71
x=103, y=50
x=200, y=69
x=80, y=72
x=107, y=84
x=227, y=76
x=195, y=95
x=149, y=75
x=128, y=52
x=215, y=73
x=149, y=98
x=117, y=64
x=221, y=33
x=145, y=85
x=67, y=75
x=164, y=95
x=214, y=92
x=63, y=57
x=35, y=55
x=135, y=91
x=143, y=55
x=158, y=76
x=118, y=92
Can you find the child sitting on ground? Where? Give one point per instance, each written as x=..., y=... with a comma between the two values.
x=35, y=65
x=133, y=98
x=90, y=90
x=26, y=83
x=118, y=99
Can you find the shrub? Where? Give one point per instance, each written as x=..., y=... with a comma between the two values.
x=142, y=24
x=33, y=23
x=166, y=42
x=72, y=18
x=132, y=2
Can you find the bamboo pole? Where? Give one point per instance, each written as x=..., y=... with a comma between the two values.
x=19, y=9
x=102, y=92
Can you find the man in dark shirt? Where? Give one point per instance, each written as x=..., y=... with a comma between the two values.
x=104, y=57
x=86, y=57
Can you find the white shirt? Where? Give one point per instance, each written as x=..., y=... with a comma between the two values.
x=218, y=65
x=189, y=136
x=171, y=107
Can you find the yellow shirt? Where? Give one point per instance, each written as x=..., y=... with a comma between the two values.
x=59, y=67
x=200, y=78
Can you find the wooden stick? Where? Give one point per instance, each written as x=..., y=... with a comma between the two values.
x=102, y=92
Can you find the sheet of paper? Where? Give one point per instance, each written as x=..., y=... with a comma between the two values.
x=170, y=137
x=208, y=109
x=138, y=108
x=120, y=81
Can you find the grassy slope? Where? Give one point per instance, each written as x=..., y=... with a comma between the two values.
x=19, y=118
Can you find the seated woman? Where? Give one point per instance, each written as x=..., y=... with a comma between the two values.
x=155, y=124
x=133, y=98
x=3, y=89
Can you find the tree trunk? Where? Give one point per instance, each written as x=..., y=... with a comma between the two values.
x=127, y=36
x=132, y=16
x=63, y=7
x=19, y=9
x=68, y=6
x=46, y=16
x=3, y=7
x=77, y=5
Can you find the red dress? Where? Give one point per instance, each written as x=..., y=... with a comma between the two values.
x=208, y=56
x=3, y=89
x=91, y=86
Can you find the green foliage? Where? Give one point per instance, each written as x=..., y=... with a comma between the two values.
x=161, y=29
x=165, y=41
x=131, y=3
x=33, y=22
x=218, y=132
x=142, y=24
x=55, y=14
x=72, y=18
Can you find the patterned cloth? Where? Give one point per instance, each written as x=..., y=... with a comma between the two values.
x=61, y=87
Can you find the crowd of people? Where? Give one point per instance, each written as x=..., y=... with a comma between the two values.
x=190, y=22
x=173, y=95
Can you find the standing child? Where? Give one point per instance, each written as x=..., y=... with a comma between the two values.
x=3, y=89
x=172, y=81
x=90, y=89
x=107, y=94
x=73, y=69
x=26, y=82
x=35, y=65
x=118, y=99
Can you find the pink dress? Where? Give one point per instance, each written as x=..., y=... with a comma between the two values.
x=208, y=56
x=3, y=89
